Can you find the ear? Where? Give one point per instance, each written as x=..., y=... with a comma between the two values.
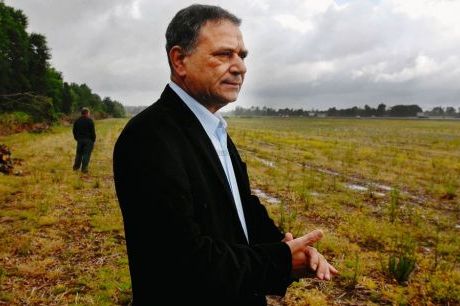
x=177, y=56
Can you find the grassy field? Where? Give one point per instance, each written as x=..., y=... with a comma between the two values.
x=61, y=233
x=386, y=192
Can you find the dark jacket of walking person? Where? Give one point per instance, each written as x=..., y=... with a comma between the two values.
x=195, y=234
x=85, y=135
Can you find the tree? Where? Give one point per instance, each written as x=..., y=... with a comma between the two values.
x=450, y=111
x=405, y=110
x=381, y=109
x=67, y=99
x=14, y=45
x=39, y=55
x=25, y=73
x=118, y=110
x=368, y=111
x=437, y=111
x=54, y=88
x=332, y=111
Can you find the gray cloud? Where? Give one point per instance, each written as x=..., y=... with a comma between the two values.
x=303, y=53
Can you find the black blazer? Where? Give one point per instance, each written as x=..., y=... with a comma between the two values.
x=184, y=239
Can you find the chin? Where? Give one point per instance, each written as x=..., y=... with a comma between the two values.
x=227, y=100
x=231, y=97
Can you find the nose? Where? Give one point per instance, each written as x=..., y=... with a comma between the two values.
x=237, y=65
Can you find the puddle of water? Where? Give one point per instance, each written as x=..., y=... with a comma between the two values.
x=272, y=200
x=356, y=187
x=263, y=195
x=325, y=171
x=266, y=162
x=383, y=187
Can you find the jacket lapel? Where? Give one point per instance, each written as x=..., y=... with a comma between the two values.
x=202, y=143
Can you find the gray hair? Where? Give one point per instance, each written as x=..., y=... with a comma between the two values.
x=184, y=28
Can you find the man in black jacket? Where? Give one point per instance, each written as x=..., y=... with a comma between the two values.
x=85, y=135
x=195, y=234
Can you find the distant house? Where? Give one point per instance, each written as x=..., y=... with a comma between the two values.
x=422, y=115
x=315, y=114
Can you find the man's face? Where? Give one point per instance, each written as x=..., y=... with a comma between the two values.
x=214, y=71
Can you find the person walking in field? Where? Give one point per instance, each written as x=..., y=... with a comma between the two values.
x=85, y=135
x=195, y=234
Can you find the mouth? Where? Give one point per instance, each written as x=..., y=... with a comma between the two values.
x=232, y=84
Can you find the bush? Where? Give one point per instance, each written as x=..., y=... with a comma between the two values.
x=39, y=108
x=14, y=122
x=16, y=118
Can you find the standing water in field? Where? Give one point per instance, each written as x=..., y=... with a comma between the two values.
x=268, y=198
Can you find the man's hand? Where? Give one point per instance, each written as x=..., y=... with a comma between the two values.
x=306, y=258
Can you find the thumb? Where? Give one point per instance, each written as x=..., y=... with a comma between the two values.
x=287, y=237
x=312, y=237
x=304, y=241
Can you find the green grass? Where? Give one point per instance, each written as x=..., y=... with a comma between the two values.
x=411, y=170
x=61, y=232
x=62, y=239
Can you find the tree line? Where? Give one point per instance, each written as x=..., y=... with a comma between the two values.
x=28, y=82
x=380, y=111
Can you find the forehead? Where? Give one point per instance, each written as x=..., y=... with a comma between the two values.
x=222, y=33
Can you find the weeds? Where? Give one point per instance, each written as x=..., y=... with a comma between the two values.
x=401, y=267
x=450, y=191
x=401, y=263
x=393, y=208
x=352, y=272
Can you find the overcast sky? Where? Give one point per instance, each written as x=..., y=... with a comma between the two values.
x=303, y=53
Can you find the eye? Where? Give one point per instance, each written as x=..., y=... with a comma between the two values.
x=225, y=53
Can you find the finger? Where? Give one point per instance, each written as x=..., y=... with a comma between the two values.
x=312, y=237
x=333, y=270
x=323, y=269
x=313, y=255
x=327, y=275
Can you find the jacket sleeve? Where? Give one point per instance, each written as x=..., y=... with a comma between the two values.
x=156, y=201
x=74, y=130
x=92, y=131
x=264, y=229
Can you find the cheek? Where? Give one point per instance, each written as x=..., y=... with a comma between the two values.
x=221, y=72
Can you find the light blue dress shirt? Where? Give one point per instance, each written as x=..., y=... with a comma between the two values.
x=216, y=128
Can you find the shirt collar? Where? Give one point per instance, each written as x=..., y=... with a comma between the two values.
x=210, y=122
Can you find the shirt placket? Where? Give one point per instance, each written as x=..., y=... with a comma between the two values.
x=222, y=137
